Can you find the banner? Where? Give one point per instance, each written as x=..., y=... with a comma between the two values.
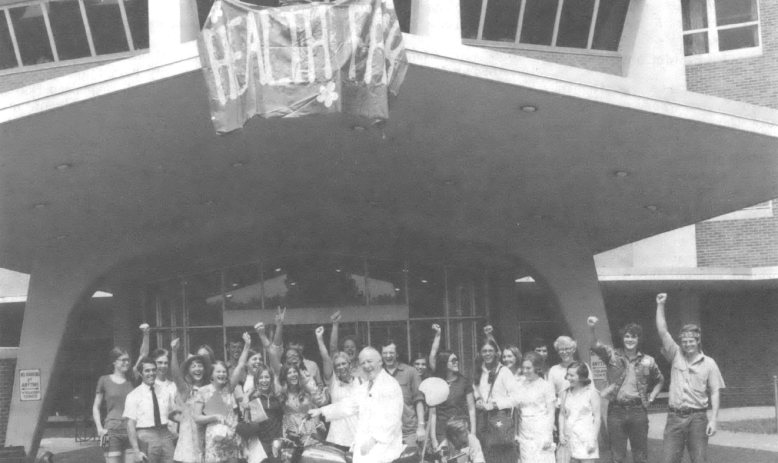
x=301, y=59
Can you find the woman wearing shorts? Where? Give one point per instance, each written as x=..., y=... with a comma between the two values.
x=113, y=389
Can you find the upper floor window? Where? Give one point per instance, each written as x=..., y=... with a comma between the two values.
x=583, y=24
x=49, y=31
x=717, y=26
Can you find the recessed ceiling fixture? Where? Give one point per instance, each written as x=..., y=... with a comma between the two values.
x=208, y=203
x=237, y=164
x=358, y=128
x=529, y=108
x=621, y=174
x=538, y=216
x=65, y=166
x=41, y=205
x=423, y=281
x=278, y=269
x=652, y=208
x=61, y=237
x=337, y=270
x=449, y=183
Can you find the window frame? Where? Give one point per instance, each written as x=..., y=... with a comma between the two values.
x=712, y=31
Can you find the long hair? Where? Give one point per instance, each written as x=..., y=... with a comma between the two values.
x=537, y=362
x=114, y=355
x=479, y=362
x=515, y=351
x=264, y=368
x=286, y=388
x=441, y=364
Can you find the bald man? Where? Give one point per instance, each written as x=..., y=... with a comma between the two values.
x=379, y=404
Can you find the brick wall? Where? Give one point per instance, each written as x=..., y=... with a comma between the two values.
x=750, y=80
x=739, y=243
x=7, y=374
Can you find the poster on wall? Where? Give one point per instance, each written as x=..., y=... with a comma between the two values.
x=345, y=56
x=30, y=384
x=599, y=368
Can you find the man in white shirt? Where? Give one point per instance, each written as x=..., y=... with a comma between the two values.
x=379, y=405
x=146, y=409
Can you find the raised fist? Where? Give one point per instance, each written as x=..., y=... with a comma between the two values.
x=436, y=328
x=592, y=321
x=488, y=330
x=335, y=317
x=319, y=331
x=144, y=327
x=661, y=298
x=247, y=338
x=174, y=344
x=259, y=328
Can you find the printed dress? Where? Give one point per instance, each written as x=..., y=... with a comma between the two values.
x=579, y=425
x=296, y=407
x=218, y=450
x=190, y=436
x=535, y=427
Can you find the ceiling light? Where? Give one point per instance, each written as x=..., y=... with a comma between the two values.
x=292, y=283
x=337, y=270
x=397, y=289
x=278, y=269
x=538, y=216
x=208, y=203
x=237, y=164
x=229, y=296
x=423, y=281
x=64, y=166
x=234, y=285
x=529, y=109
x=40, y=205
x=652, y=208
x=359, y=128
x=621, y=174
x=61, y=237
x=449, y=183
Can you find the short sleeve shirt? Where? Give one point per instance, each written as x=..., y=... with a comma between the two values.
x=691, y=382
x=139, y=405
x=455, y=404
x=114, y=395
x=409, y=381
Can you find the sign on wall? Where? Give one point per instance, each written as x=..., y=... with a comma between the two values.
x=301, y=59
x=30, y=384
x=599, y=368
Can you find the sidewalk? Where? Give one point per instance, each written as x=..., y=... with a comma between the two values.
x=767, y=442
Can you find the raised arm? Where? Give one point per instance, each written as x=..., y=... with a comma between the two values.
x=244, y=356
x=334, y=334
x=260, y=329
x=278, y=338
x=661, y=321
x=435, y=347
x=326, y=360
x=175, y=370
x=489, y=332
x=144, y=349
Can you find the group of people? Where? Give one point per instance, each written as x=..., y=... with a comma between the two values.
x=515, y=408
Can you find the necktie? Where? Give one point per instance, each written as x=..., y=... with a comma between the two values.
x=369, y=386
x=157, y=419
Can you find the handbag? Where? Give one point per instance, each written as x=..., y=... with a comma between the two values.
x=248, y=428
x=500, y=428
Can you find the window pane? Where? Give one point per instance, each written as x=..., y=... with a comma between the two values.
x=381, y=332
x=402, y=8
x=68, y=29
x=204, y=299
x=316, y=280
x=7, y=55
x=105, y=21
x=171, y=304
x=539, y=17
x=426, y=290
x=138, y=18
x=470, y=15
x=610, y=21
x=31, y=35
x=741, y=37
x=695, y=44
x=211, y=337
x=574, y=23
x=502, y=19
x=243, y=288
x=735, y=11
x=386, y=282
x=695, y=14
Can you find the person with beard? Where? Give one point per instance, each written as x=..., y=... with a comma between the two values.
x=378, y=404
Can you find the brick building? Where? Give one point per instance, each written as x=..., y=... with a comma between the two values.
x=559, y=132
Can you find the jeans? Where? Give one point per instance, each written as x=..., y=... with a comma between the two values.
x=686, y=431
x=158, y=444
x=628, y=423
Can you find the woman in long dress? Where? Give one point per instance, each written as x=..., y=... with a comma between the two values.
x=537, y=403
x=495, y=388
x=579, y=420
x=299, y=394
x=222, y=444
x=189, y=378
x=342, y=384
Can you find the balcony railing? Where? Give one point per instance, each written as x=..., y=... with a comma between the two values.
x=35, y=33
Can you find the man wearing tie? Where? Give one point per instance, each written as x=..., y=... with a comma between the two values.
x=146, y=410
x=379, y=405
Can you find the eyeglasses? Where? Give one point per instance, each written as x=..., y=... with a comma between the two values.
x=567, y=350
x=453, y=361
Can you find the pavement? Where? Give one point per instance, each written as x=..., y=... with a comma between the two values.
x=724, y=447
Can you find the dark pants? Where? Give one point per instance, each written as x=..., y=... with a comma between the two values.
x=687, y=431
x=157, y=444
x=628, y=423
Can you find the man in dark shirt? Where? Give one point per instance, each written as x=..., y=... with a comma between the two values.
x=413, y=400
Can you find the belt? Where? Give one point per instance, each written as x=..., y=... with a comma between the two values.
x=686, y=411
x=164, y=426
x=628, y=403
